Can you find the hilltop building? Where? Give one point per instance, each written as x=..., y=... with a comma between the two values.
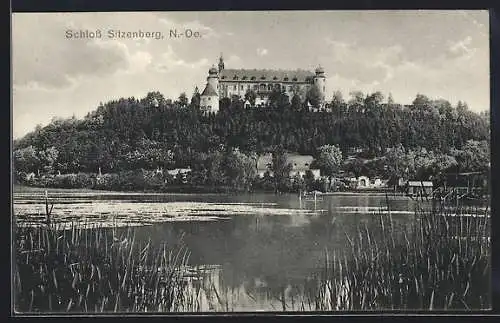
x=224, y=83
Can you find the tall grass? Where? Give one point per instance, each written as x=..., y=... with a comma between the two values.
x=92, y=269
x=442, y=262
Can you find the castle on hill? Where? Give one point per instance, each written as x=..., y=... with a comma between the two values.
x=226, y=83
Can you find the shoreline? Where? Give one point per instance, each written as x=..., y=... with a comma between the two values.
x=24, y=189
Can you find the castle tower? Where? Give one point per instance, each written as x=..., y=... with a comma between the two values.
x=221, y=63
x=213, y=78
x=320, y=82
x=209, y=99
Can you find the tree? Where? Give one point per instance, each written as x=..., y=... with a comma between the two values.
x=374, y=99
x=314, y=97
x=338, y=103
x=421, y=101
x=337, y=99
x=278, y=99
x=390, y=99
x=473, y=157
x=27, y=159
x=236, y=102
x=239, y=169
x=48, y=157
x=250, y=96
x=281, y=168
x=397, y=165
x=357, y=98
x=195, y=99
x=154, y=99
x=215, y=167
x=442, y=164
x=183, y=100
x=296, y=102
x=356, y=167
x=329, y=159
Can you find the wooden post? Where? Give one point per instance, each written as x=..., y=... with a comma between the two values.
x=47, y=212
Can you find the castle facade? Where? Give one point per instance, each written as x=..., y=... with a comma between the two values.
x=226, y=83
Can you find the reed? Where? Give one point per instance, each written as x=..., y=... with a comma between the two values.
x=87, y=268
x=441, y=262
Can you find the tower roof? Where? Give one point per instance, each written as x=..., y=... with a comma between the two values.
x=212, y=70
x=320, y=70
x=209, y=91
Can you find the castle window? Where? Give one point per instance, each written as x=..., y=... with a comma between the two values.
x=235, y=87
x=262, y=77
x=253, y=77
x=241, y=87
x=285, y=79
x=235, y=77
x=294, y=79
x=275, y=78
x=223, y=77
x=244, y=77
x=270, y=87
x=289, y=88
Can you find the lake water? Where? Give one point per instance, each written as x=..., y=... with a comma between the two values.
x=259, y=246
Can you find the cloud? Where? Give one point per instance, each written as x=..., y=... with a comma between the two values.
x=461, y=48
x=139, y=62
x=233, y=61
x=262, y=52
x=52, y=61
x=170, y=59
x=482, y=28
x=371, y=65
x=341, y=51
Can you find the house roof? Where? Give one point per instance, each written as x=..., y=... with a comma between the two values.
x=420, y=183
x=266, y=75
x=209, y=91
x=299, y=162
x=178, y=170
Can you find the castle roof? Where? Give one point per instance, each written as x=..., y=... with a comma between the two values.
x=266, y=75
x=209, y=91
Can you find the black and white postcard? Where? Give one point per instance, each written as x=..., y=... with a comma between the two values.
x=251, y=161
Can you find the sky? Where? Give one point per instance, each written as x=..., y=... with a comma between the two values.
x=442, y=54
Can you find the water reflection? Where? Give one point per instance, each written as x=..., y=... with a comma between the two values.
x=267, y=251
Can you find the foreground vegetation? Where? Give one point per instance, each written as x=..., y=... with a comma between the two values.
x=89, y=269
x=441, y=262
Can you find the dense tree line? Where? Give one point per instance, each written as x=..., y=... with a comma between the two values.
x=153, y=132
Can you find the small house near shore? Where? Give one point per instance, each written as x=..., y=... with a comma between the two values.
x=182, y=172
x=419, y=188
x=300, y=165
